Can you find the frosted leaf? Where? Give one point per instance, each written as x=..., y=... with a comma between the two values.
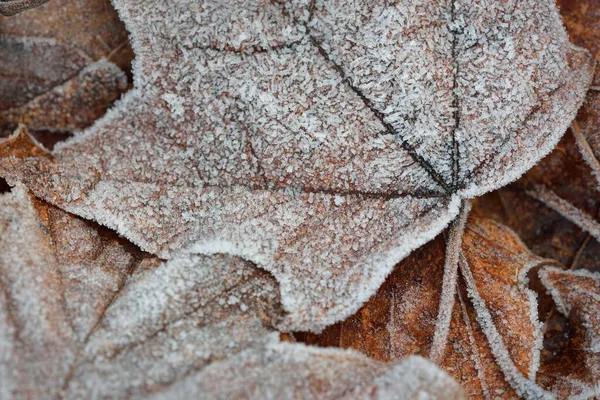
x=25, y=77
x=73, y=105
x=12, y=7
x=57, y=276
x=90, y=26
x=575, y=372
x=280, y=133
x=173, y=320
x=61, y=67
x=495, y=267
x=494, y=337
x=286, y=371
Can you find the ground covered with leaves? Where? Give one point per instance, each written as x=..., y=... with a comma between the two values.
x=299, y=199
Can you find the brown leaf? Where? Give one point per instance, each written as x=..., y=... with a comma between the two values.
x=73, y=105
x=58, y=274
x=576, y=370
x=90, y=26
x=31, y=67
x=62, y=67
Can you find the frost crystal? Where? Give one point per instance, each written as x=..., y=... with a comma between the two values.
x=281, y=133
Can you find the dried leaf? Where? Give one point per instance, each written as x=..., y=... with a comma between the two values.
x=297, y=143
x=75, y=104
x=576, y=371
x=91, y=26
x=83, y=315
x=494, y=337
x=62, y=67
x=31, y=67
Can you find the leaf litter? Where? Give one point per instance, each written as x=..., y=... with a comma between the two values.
x=420, y=134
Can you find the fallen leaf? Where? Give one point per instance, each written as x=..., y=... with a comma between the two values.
x=31, y=67
x=575, y=372
x=295, y=371
x=272, y=141
x=83, y=314
x=73, y=105
x=58, y=274
x=62, y=67
x=90, y=26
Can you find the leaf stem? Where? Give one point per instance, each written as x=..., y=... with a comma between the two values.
x=586, y=151
x=453, y=246
x=566, y=209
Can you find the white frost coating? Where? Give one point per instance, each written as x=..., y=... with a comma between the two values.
x=321, y=152
x=449, y=282
x=535, y=321
x=370, y=280
x=566, y=209
x=295, y=371
x=523, y=386
x=175, y=104
x=473, y=343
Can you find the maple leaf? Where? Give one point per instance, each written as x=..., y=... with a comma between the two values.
x=322, y=152
x=85, y=314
